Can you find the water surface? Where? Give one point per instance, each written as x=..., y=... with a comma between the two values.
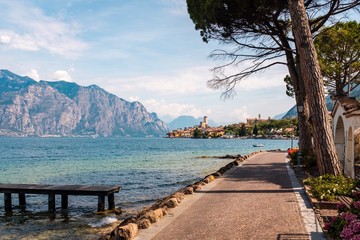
x=146, y=168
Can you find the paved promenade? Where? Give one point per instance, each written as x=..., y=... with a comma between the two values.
x=258, y=200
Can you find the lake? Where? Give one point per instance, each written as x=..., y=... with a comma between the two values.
x=146, y=168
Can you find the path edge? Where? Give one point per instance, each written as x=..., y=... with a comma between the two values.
x=311, y=222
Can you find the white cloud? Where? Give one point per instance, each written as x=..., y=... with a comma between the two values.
x=185, y=82
x=62, y=75
x=239, y=114
x=134, y=98
x=14, y=40
x=190, y=81
x=33, y=74
x=31, y=30
x=5, y=38
x=269, y=78
x=162, y=108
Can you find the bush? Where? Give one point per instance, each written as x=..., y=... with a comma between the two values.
x=347, y=224
x=309, y=160
x=293, y=155
x=328, y=187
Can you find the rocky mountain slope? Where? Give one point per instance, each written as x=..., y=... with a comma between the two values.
x=30, y=108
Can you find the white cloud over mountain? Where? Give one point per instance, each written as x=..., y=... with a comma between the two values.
x=33, y=74
x=62, y=75
x=163, y=107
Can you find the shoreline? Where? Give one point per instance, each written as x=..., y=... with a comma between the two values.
x=129, y=227
x=168, y=166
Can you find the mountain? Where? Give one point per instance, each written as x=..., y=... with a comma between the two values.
x=329, y=104
x=291, y=113
x=279, y=116
x=188, y=121
x=31, y=108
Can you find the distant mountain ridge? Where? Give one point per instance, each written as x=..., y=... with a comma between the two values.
x=31, y=108
x=187, y=121
x=279, y=116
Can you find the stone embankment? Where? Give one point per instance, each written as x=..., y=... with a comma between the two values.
x=129, y=228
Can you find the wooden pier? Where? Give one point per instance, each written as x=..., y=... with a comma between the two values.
x=63, y=190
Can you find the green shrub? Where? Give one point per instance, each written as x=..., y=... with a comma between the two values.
x=309, y=160
x=328, y=187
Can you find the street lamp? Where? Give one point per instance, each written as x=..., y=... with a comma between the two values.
x=300, y=108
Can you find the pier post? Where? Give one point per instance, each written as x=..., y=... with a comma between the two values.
x=111, y=201
x=101, y=203
x=64, y=201
x=51, y=202
x=22, y=201
x=7, y=201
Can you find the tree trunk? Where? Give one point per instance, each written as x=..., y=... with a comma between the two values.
x=323, y=141
x=305, y=143
x=304, y=117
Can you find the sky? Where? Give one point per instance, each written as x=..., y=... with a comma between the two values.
x=139, y=50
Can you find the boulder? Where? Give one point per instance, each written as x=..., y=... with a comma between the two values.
x=117, y=211
x=144, y=223
x=179, y=196
x=217, y=174
x=156, y=214
x=171, y=203
x=188, y=190
x=229, y=165
x=197, y=187
x=126, y=232
x=209, y=179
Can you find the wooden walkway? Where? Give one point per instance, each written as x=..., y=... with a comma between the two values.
x=63, y=190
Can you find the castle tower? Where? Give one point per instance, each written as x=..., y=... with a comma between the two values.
x=206, y=120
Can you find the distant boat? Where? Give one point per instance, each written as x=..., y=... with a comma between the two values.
x=258, y=145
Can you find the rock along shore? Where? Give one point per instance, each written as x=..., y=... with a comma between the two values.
x=129, y=228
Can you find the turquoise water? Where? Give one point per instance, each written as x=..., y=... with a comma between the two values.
x=146, y=168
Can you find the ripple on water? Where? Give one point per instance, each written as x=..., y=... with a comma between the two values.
x=147, y=169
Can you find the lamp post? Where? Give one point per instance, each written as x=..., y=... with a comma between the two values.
x=300, y=110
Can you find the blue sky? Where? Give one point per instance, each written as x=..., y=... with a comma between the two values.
x=139, y=50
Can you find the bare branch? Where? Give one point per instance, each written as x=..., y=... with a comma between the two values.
x=228, y=83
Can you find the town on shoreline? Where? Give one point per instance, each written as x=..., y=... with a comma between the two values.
x=253, y=128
